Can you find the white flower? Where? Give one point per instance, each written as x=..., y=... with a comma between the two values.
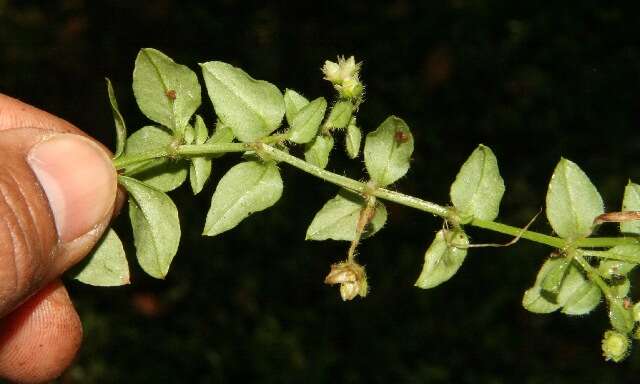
x=331, y=71
x=342, y=71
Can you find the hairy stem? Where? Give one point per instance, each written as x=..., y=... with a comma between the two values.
x=365, y=189
x=595, y=277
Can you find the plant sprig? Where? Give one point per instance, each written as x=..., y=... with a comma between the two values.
x=256, y=119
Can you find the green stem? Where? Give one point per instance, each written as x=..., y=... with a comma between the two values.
x=125, y=161
x=354, y=185
x=595, y=277
x=182, y=150
x=515, y=231
x=365, y=189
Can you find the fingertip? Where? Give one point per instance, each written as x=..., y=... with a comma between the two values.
x=39, y=340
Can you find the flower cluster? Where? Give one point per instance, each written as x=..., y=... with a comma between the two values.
x=345, y=77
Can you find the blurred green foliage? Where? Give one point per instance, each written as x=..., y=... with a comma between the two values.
x=533, y=81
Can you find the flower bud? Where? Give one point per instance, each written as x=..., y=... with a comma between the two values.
x=615, y=346
x=351, y=277
x=350, y=88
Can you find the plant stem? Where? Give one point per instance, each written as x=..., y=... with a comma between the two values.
x=595, y=277
x=354, y=185
x=365, y=189
x=182, y=150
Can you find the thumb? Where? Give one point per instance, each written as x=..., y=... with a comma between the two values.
x=57, y=193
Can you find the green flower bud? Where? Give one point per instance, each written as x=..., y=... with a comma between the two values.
x=351, y=277
x=615, y=346
x=351, y=88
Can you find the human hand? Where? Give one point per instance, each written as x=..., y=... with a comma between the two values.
x=58, y=192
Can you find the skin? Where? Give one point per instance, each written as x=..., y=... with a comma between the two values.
x=40, y=331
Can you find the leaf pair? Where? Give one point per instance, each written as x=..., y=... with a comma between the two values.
x=476, y=194
x=561, y=284
x=156, y=233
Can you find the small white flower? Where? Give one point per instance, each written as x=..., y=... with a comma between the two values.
x=331, y=71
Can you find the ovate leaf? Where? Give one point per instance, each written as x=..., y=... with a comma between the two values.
x=246, y=188
x=106, y=265
x=156, y=227
x=338, y=218
x=534, y=302
x=352, y=140
x=629, y=253
x=304, y=126
x=317, y=152
x=573, y=202
x=631, y=202
x=387, y=151
x=166, y=92
x=340, y=115
x=251, y=108
x=121, y=128
x=478, y=188
x=443, y=258
x=222, y=134
x=200, y=168
x=578, y=295
x=293, y=102
x=189, y=134
x=620, y=287
x=615, y=268
x=533, y=299
x=163, y=174
x=555, y=277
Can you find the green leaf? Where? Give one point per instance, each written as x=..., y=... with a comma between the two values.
x=163, y=174
x=631, y=202
x=252, y=108
x=304, y=126
x=621, y=319
x=317, y=152
x=387, y=151
x=340, y=115
x=293, y=102
x=166, y=92
x=578, y=295
x=106, y=265
x=573, y=202
x=121, y=127
x=246, y=188
x=555, y=276
x=478, y=188
x=222, y=134
x=620, y=287
x=533, y=299
x=615, y=268
x=534, y=302
x=624, y=257
x=442, y=260
x=338, y=218
x=353, y=139
x=156, y=228
x=189, y=134
x=200, y=168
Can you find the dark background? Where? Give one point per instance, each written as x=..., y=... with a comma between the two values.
x=534, y=82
